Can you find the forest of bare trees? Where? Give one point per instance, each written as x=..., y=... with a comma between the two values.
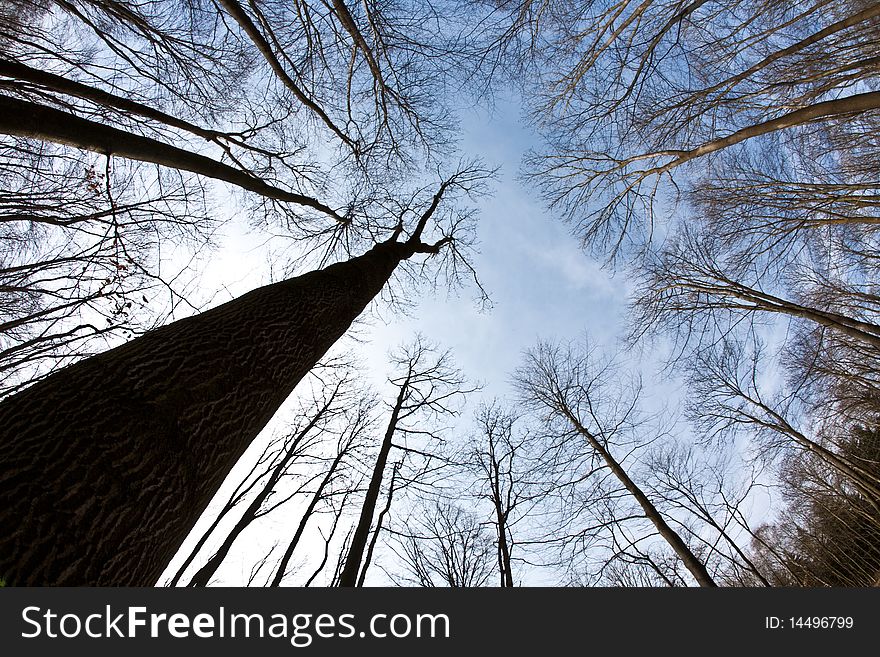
x=718, y=160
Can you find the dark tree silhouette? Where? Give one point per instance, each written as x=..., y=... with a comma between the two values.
x=148, y=431
x=298, y=448
x=571, y=393
x=427, y=384
x=499, y=464
x=828, y=533
x=351, y=440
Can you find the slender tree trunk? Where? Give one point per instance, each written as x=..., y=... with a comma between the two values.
x=855, y=328
x=106, y=465
x=328, y=540
x=501, y=520
x=252, y=512
x=234, y=499
x=690, y=560
x=241, y=17
x=19, y=71
x=368, y=558
x=21, y=118
x=729, y=83
x=848, y=105
x=503, y=550
x=349, y=574
x=306, y=516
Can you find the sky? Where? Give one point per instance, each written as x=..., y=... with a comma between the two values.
x=540, y=282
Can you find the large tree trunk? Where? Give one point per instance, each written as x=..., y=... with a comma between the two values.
x=106, y=465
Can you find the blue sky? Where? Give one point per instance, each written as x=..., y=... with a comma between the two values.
x=540, y=283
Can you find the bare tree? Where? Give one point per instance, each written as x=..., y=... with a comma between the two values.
x=631, y=94
x=428, y=387
x=381, y=521
x=687, y=286
x=731, y=397
x=190, y=87
x=350, y=442
x=445, y=545
x=80, y=263
x=723, y=310
x=499, y=464
x=317, y=117
x=244, y=356
x=714, y=497
x=328, y=537
x=585, y=414
x=777, y=104
x=827, y=534
x=298, y=448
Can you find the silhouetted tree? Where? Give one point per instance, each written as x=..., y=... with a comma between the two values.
x=499, y=464
x=587, y=413
x=299, y=449
x=351, y=441
x=445, y=545
x=827, y=534
x=428, y=385
x=152, y=427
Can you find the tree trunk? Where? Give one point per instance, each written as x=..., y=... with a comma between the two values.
x=241, y=17
x=21, y=118
x=503, y=550
x=368, y=558
x=848, y=105
x=106, y=465
x=18, y=71
x=349, y=576
x=690, y=560
x=504, y=568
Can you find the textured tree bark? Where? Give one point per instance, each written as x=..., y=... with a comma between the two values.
x=107, y=464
